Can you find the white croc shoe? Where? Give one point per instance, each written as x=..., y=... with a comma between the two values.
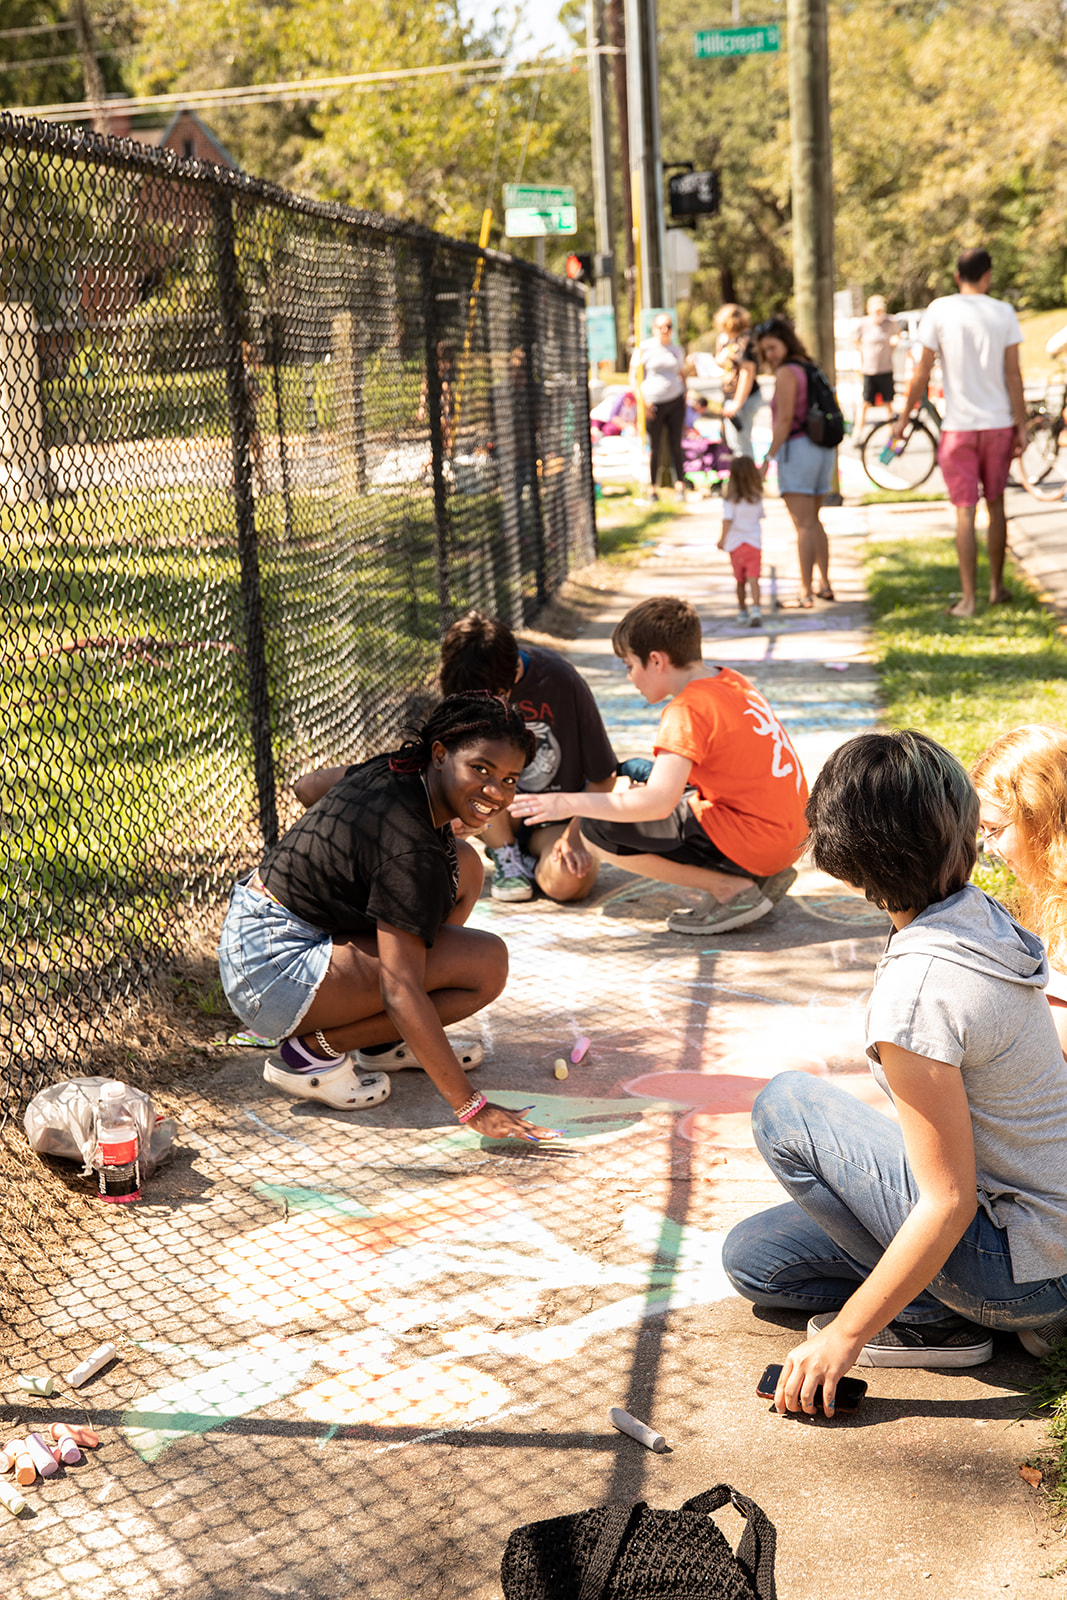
x=342, y=1084
x=468, y=1052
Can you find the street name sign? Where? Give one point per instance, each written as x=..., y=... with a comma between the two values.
x=717, y=42
x=531, y=210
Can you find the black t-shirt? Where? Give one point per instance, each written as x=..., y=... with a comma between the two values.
x=367, y=852
x=557, y=706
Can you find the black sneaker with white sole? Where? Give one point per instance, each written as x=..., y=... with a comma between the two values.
x=952, y=1343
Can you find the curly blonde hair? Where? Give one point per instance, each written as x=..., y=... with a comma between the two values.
x=1024, y=774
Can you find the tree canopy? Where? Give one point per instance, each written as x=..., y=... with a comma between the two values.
x=949, y=125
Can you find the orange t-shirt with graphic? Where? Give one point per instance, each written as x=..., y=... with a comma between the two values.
x=751, y=789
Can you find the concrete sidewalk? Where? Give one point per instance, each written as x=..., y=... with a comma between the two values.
x=355, y=1351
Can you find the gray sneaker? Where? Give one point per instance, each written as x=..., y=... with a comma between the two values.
x=715, y=916
x=510, y=880
x=1042, y=1341
x=952, y=1343
x=777, y=887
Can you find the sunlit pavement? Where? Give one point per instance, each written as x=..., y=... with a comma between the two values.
x=356, y=1350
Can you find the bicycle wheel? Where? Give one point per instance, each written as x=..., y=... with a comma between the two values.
x=908, y=470
x=1043, y=464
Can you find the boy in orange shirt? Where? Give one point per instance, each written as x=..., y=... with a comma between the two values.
x=723, y=807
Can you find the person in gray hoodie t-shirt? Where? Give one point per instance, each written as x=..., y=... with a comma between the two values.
x=910, y=1240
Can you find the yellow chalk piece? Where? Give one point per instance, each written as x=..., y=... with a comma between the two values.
x=560, y=1069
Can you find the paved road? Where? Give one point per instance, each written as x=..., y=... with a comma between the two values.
x=355, y=1351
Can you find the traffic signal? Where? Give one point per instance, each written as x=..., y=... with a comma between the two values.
x=580, y=268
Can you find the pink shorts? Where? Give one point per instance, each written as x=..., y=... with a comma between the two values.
x=746, y=561
x=969, y=457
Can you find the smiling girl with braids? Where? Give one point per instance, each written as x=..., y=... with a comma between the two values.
x=350, y=937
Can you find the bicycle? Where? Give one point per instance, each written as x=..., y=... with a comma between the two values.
x=1043, y=463
x=913, y=460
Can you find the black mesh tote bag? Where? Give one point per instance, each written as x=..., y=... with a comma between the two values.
x=634, y=1553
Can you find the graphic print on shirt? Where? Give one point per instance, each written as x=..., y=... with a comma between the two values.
x=539, y=773
x=767, y=724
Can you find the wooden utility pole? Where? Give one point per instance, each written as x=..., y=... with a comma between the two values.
x=93, y=78
x=604, y=292
x=617, y=34
x=646, y=165
x=813, y=188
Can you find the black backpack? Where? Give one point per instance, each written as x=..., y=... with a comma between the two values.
x=824, y=424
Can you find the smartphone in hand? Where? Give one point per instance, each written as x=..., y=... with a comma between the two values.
x=850, y=1391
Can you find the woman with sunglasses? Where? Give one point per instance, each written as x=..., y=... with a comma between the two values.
x=805, y=469
x=663, y=368
x=1022, y=790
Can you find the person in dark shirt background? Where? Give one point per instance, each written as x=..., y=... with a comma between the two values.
x=573, y=752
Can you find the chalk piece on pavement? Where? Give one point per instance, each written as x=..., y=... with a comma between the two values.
x=581, y=1046
x=65, y=1444
x=638, y=1430
x=36, y=1383
x=91, y=1364
x=10, y=1497
x=559, y=1068
x=41, y=1455
x=86, y=1437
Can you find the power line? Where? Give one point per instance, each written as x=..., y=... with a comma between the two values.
x=48, y=61
x=492, y=69
x=38, y=27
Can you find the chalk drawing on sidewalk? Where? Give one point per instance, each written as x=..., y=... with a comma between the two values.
x=721, y=1102
x=844, y=908
x=370, y=1382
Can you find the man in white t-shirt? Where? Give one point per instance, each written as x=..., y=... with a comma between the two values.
x=977, y=339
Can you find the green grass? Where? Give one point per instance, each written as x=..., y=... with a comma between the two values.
x=961, y=680
x=626, y=524
x=896, y=497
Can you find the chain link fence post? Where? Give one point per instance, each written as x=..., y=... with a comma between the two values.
x=242, y=425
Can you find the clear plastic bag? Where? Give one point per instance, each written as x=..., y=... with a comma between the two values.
x=61, y=1121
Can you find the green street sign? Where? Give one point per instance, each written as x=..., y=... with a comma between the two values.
x=535, y=197
x=717, y=42
x=528, y=222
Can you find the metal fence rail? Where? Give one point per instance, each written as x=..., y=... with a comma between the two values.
x=256, y=453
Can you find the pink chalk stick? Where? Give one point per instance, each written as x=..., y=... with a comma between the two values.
x=41, y=1455
x=86, y=1437
x=68, y=1450
x=581, y=1046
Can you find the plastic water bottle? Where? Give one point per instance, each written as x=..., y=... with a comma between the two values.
x=118, y=1141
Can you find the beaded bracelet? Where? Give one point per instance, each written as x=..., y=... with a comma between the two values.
x=470, y=1108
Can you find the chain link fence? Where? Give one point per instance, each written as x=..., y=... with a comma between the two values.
x=256, y=454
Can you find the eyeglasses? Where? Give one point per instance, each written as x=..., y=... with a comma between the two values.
x=763, y=328
x=667, y=325
x=988, y=836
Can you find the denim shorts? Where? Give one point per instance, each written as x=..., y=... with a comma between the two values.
x=804, y=467
x=271, y=963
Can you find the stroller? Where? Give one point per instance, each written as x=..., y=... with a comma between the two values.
x=706, y=461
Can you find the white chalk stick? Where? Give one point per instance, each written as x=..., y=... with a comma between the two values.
x=41, y=1455
x=36, y=1383
x=10, y=1497
x=91, y=1364
x=637, y=1430
x=580, y=1047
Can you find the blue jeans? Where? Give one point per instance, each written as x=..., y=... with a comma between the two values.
x=271, y=963
x=845, y=1164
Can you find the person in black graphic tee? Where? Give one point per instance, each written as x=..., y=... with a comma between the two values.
x=573, y=753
